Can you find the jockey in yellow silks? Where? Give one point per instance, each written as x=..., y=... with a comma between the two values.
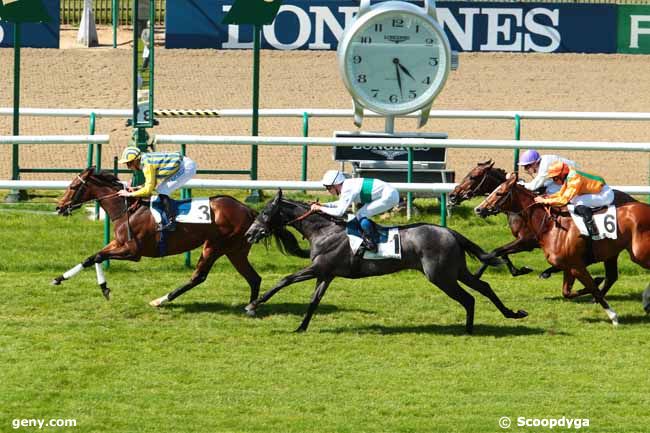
x=163, y=172
x=581, y=189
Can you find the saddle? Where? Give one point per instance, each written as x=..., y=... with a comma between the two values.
x=387, y=238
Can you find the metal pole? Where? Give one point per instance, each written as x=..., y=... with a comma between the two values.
x=98, y=155
x=443, y=209
x=185, y=193
x=254, y=196
x=16, y=195
x=115, y=19
x=305, y=133
x=409, y=179
x=517, y=137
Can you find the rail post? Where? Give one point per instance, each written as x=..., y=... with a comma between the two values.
x=114, y=17
x=517, y=137
x=409, y=179
x=16, y=195
x=305, y=133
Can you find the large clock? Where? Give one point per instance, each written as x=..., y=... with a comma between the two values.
x=394, y=59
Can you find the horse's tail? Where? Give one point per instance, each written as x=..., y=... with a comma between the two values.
x=287, y=243
x=475, y=251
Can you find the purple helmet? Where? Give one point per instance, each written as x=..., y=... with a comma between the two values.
x=529, y=157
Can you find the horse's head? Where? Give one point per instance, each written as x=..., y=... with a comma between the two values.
x=83, y=188
x=500, y=200
x=266, y=221
x=480, y=180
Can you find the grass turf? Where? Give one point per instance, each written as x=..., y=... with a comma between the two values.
x=386, y=354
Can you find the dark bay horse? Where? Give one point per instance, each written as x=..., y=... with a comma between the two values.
x=136, y=235
x=481, y=181
x=562, y=243
x=436, y=251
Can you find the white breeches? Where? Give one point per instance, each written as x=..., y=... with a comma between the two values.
x=604, y=198
x=386, y=202
x=178, y=179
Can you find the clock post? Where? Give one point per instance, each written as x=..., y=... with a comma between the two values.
x=394, y=60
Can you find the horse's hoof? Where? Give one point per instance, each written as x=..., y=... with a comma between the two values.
x=300, y=330
x=159, y=302
x=250, y=307
x=57, y=281
x=251, y=313
x=107, y=293
x=521, y=314
x=545, y=275
x=523, y=271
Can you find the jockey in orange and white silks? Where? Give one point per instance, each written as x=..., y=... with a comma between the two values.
x=581, y=189
x=537, y=166
x=375, y=195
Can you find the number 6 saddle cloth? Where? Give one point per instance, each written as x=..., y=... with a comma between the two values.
x=605, y=222
x=190, y=211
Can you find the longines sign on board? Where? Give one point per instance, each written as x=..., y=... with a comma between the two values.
x=470, y=26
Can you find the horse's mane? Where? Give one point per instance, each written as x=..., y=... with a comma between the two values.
x=336, y=220
x=106, y=176
x=498, y=172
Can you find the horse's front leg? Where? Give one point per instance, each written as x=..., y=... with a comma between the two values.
x=113, y=250
x=302, y=275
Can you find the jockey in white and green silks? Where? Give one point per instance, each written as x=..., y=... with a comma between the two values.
x=375, y=195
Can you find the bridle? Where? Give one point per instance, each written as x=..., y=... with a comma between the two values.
x=78, y=191
x=473, y=192
x=505, y=196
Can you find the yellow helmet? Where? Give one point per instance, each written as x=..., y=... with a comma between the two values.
x=131, y=153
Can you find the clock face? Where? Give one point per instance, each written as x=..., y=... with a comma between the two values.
x=396, y=62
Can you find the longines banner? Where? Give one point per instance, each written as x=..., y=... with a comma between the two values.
x=318, y=25
x=634, y=29
x=35, y=35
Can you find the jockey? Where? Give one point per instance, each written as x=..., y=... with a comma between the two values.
x=580, y=189
x=375, y=195
x=537, y=165
x=163, y=172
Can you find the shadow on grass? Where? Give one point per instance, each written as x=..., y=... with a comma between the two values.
x=588, y=299
x=479, y=330
x=295, y=309
x=635, y=319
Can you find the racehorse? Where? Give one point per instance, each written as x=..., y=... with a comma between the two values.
x=482, y=180
x=562, y=243
x=436, y=251
x=136, y=235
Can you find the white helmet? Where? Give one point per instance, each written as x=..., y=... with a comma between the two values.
x=333, y=177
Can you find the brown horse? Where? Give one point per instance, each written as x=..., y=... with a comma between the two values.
x=482, y=180
x=136, y=235
x=562, y=243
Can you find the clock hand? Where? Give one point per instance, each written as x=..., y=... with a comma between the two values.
x=406, y=71
x=399, y=77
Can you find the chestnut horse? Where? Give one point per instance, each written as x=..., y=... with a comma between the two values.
x=136, y=235
x=562, y=243
x=482, y=180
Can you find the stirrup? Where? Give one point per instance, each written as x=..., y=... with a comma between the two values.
x=169, y=227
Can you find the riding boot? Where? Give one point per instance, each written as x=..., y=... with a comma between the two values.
x=588, y=217
x=168, y=206
x=368, y=234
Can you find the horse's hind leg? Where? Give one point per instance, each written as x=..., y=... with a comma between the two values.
x=451, y=287
x=583, y=275
x=484, y=289
x=209, y=255
x=305, y=274
x=239, y=260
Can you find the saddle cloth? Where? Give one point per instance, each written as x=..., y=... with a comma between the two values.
x=389, y=245
x=605, y=222
x=191, y=211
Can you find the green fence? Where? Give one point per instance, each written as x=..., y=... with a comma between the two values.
x=71, y=11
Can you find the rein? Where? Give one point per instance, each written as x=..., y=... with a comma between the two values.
x=301, y=217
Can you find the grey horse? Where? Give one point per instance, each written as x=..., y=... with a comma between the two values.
x=436, y=251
